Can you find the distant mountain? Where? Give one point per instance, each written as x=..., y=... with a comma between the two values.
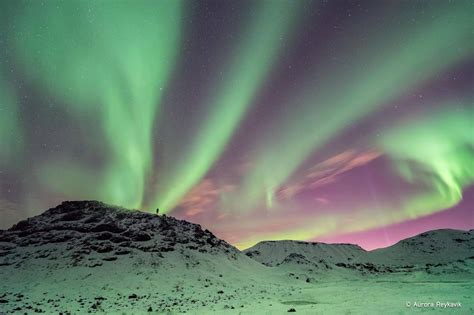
x=272, y=253
x=432, y=247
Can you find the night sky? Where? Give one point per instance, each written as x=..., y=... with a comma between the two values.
x=336, y=121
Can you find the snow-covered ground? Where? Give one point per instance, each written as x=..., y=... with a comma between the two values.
x=83, y=257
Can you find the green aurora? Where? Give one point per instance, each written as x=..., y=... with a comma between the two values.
x=249, y=65
x=322, y=112
x=116, y=71
x=107, y=68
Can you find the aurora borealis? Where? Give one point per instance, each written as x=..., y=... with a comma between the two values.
x=346, y=121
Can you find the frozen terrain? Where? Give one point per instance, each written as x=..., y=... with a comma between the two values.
x=88, y=257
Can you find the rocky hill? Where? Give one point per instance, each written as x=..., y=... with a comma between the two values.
x=84, y=256
x=93, y=233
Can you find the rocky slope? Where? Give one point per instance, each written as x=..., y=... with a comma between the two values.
x=85, y=256
x=92, y=233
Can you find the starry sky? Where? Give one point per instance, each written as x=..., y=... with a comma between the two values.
x=335, y=121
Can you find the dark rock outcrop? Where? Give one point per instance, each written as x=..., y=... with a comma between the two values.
x=92, y=227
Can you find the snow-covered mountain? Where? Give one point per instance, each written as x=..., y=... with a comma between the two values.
x=272, y=253
x=92, y=233
x=432, y=247
x=86, y=256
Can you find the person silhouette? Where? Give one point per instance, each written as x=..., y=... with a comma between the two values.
x=157, y=210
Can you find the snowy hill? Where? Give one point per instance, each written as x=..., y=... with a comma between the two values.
x=273, y=253
x=92, y=233
x=86, y=256
x=432, y=247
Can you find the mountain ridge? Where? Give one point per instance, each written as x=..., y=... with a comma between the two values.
x=272, y=253
x=95, y=226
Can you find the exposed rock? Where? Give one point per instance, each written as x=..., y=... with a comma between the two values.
x=85, y=227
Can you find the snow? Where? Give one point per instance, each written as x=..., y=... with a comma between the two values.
x=273, y=252
x=86, y=256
